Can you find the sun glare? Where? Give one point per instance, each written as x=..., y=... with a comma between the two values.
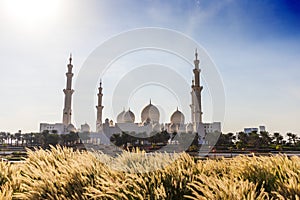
x=31, y=12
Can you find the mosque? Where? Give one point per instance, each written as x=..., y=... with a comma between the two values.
x=126, y=120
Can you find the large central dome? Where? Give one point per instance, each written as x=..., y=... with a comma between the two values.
x=150, y=114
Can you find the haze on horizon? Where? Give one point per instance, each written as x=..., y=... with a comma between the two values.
x=254, y=44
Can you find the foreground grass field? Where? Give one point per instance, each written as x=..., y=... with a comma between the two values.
x=60, y=173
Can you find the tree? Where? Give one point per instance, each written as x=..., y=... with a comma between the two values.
x=231, y=137
x=8, y=138
x=27, y=138
x=116, y=139
x=243, y=139
x=52, y=139
x=294, y=138
x=290, y=137
x=254, y=139
x=3, y=137
x=43, y=138
x=265, y=138
x=278, y=138
x=226, y=139
x=37, y=139
x=195, y=143
x=18, y=137
x=12, y=138
x=72, y=138
x=133, y=139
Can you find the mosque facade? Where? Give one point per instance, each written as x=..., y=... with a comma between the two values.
x=126, y=120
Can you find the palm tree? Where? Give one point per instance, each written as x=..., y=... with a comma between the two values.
x=12, y=137
x=38, y=139
x=116, y=139
x=18, y=137
x=265, y=138
x=231, y=138
x=31, y=138
x=25, y=138
x=8, y=138
x=290, y=137
x=278, y=138
x=254, y=140
x=294, y=137
x=52, y=139
x=242, y=139
x=73, y=137
x=2, y=137
x=281, y=141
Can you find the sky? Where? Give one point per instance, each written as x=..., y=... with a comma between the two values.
x=255, y=46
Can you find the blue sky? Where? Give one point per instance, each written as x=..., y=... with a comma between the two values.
x=254, y=44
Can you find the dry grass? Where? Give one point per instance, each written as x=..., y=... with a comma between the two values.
x=61, y=173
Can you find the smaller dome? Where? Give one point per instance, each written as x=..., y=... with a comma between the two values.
x=85, y=128
x=120, y=118
x=71, y=128
x=177, y=117
x=128, y=117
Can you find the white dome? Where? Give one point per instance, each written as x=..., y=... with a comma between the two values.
x=120, y=118
x=177, y=117
x=85, y=128
x=126, y=117
x=150, y=114
x=71, y=128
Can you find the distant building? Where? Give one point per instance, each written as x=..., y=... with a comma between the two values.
x=262, y=129
x=212, y=127
x=58, y=128
x=259, y=129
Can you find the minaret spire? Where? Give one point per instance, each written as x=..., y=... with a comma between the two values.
x=196, y=61
x=70, y=59
x=67, y=111
x=99, y=108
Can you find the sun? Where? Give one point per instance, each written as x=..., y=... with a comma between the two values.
x=31, y=12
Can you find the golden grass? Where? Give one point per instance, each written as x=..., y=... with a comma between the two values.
x=61, y=173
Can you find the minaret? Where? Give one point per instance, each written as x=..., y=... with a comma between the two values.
x=67, y=112
x=99, y=109
x=196, y=109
